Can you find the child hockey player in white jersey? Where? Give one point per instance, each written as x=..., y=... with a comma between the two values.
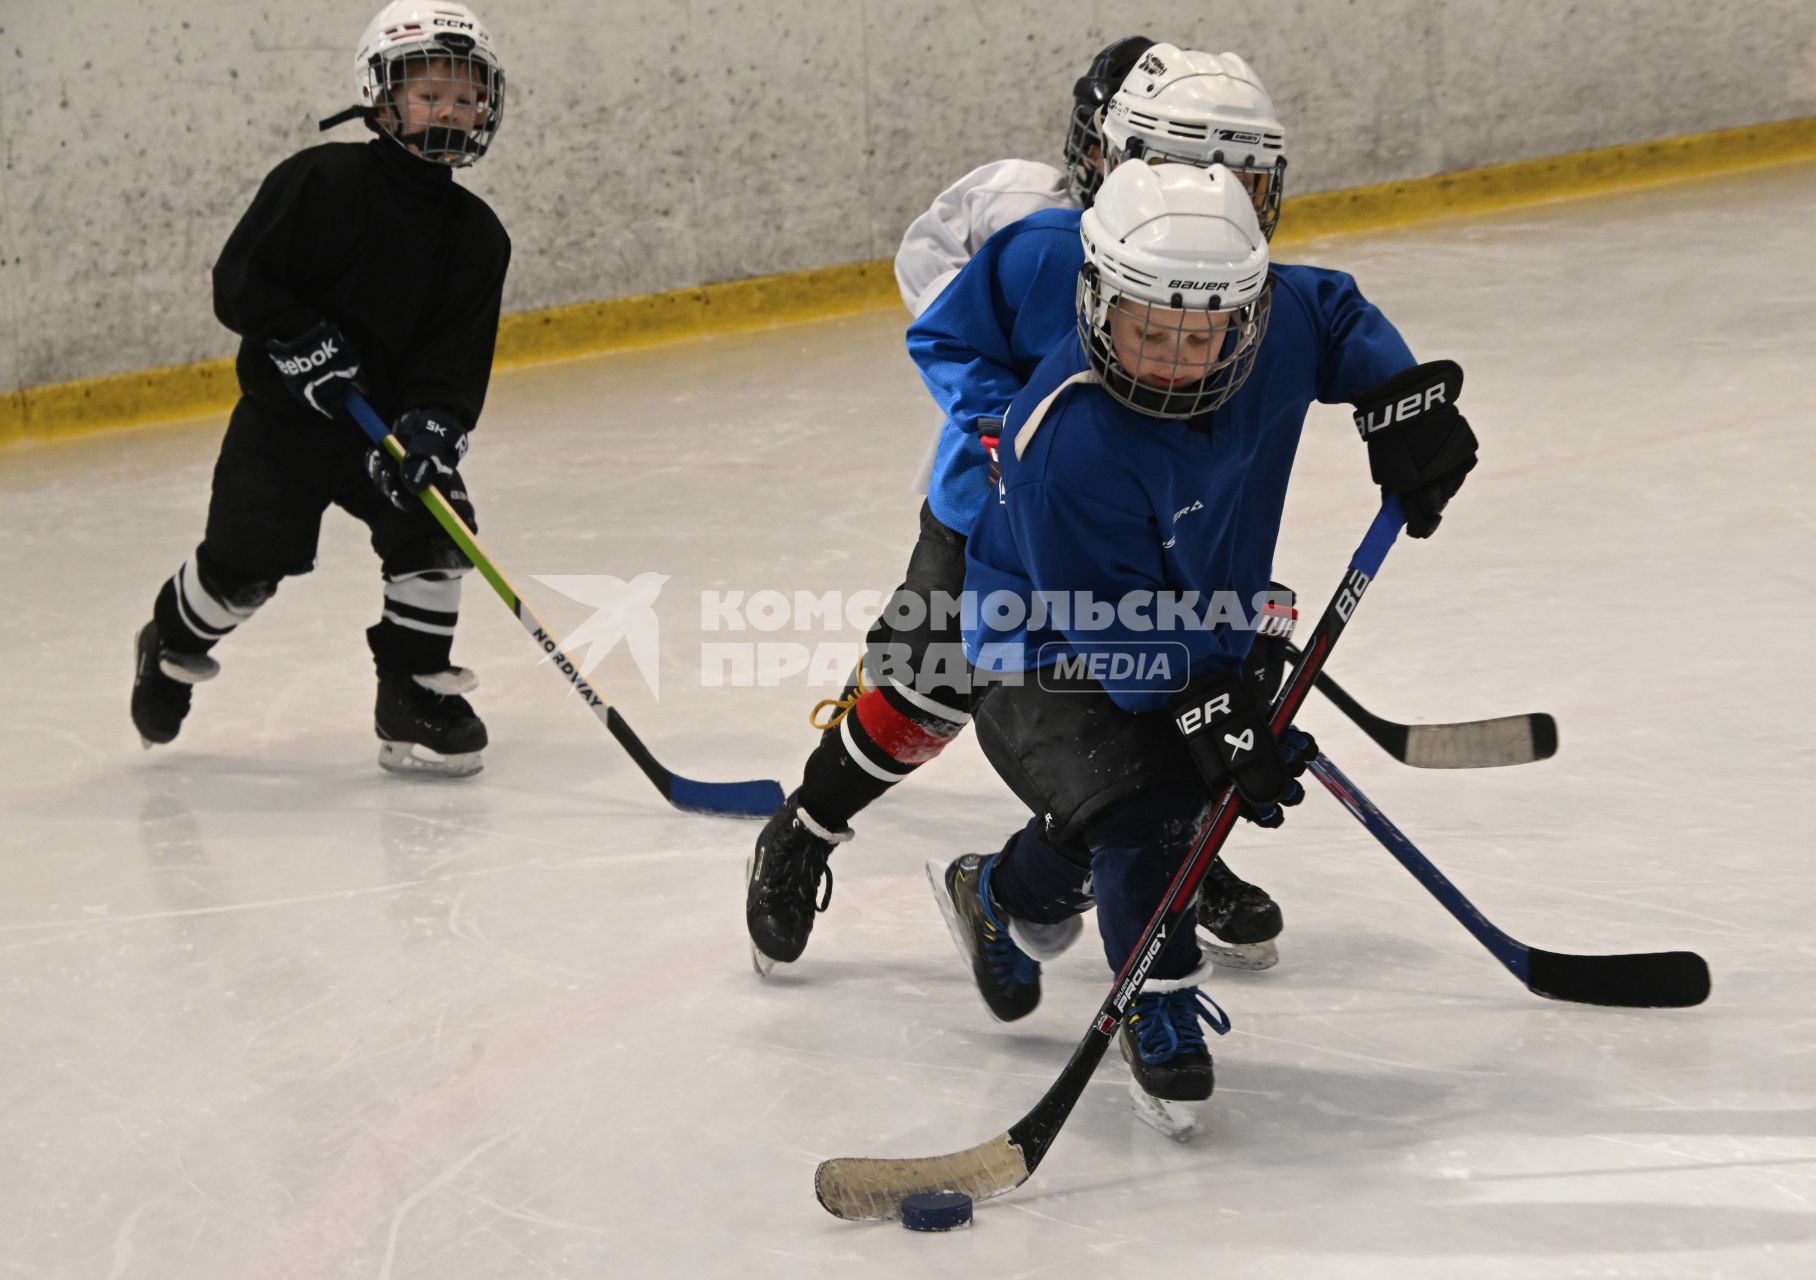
x=783, y=875
x=357, y=265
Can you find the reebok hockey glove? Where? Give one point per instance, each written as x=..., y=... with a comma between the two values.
x=1225, y=727
x=385, y=478
x=1419, y=446
x=319, y=368
x=434, y=442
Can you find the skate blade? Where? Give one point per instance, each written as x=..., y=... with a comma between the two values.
x=760, y=962
x=1251, y=957
x=402, y=758
x=1176, y=1121
x=961, y=936
x=764, y=965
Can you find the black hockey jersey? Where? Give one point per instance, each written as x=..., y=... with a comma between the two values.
x=409, y=264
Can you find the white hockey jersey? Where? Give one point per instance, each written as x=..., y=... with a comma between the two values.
x=966, y=214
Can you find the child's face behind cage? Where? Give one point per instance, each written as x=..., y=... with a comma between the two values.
x=1166, y=348
x=439, y=93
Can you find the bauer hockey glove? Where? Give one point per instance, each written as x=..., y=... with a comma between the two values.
x=1419, y=446
x=319, y=368
x=1225, y=727
x=385, y=478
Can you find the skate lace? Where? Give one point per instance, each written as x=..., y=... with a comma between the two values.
x=796, y=882
x=828, y=712
x=1166, y=1022
x=1008, y=963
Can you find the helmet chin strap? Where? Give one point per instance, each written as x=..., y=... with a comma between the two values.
x=341, y=117
x=440, y=140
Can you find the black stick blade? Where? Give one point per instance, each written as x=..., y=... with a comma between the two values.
x=1652, y=980
x=1478, y=744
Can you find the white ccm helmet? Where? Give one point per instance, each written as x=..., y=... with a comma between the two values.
x=1174, y=295
x=1200, y=108
x=406, y=36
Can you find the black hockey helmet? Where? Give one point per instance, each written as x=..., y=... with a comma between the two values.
x=1095, y=88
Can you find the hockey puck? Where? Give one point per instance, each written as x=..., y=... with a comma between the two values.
x=936, y=1211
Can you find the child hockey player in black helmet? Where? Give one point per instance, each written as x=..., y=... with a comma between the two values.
x=356, y=266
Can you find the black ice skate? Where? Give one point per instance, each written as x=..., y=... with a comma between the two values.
x=1237, y=921
x=1007, y=977
x=1164, y=1047
x=162, y=682
x=426, y=727
x=782, y=891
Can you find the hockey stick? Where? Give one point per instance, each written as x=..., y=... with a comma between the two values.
x=857, y=1187
x=1649, y=980
x=756, y=799
x=1469, y=744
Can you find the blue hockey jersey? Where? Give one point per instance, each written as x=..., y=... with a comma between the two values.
x=1108, y=505
x=981, y=339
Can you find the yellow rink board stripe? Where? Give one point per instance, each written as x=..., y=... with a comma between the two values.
x=558, y=333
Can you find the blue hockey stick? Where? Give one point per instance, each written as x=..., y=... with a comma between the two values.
x=756, y=799
x=1650, y=980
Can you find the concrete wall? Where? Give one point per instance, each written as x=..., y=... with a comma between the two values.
x=651, y=145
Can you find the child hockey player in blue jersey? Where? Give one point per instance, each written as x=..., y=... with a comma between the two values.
x=978, y=344
x=1147, y=460
x=975, y=348
x=356, y=265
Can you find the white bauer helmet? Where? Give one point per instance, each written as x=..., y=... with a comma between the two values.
x=407, y=37
x=1174, y=287
x=1200, y=108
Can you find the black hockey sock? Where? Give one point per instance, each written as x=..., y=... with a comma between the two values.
x=416, y=634
x=881, y=739
x=1039, y=882
x=834, y=787
x=203, y=603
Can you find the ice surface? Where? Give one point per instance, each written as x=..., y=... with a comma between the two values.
x=267, y=1011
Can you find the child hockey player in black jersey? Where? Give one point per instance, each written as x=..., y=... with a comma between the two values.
x=357, y=266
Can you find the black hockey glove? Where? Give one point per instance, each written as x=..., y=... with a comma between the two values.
x=319, y=368
x=434, y=443
x=1419, y=446
x=1276, y=617
x=1225, y=727
x=385, y=477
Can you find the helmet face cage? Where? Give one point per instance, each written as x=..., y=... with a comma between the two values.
x=1164, y=332
x=1266, y=183
x=1084, y=131
x=1084, y=171
x=441, y=98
